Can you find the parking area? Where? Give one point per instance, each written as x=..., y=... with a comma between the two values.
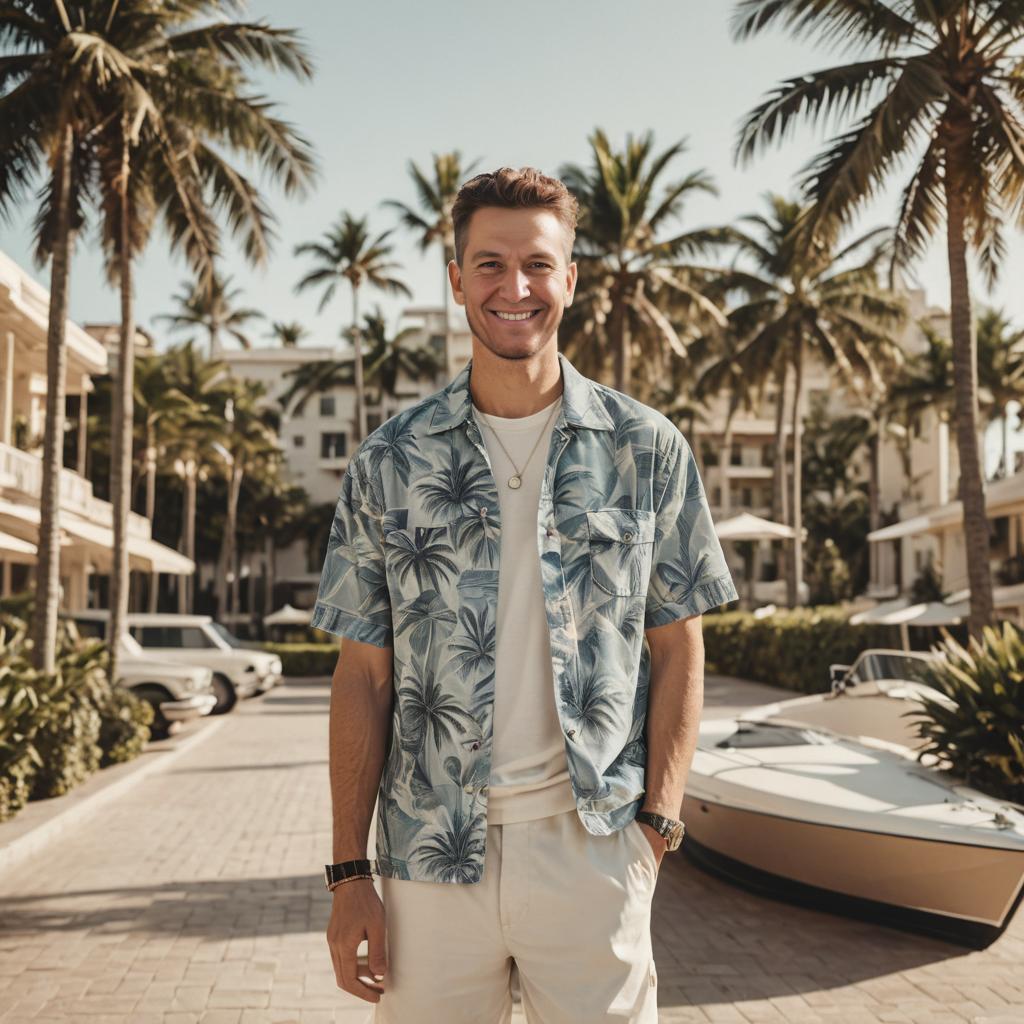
x=196, y=897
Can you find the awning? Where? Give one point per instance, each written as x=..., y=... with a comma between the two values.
x=144, y=553
x=288, y=616
x=13, y=549
x=906, y=528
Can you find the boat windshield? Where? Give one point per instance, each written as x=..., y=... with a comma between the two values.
x=878, y=665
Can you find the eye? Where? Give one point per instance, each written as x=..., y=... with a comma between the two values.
x=540, y=264
x=489, y=263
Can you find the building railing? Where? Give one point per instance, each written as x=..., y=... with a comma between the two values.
x=22, y=473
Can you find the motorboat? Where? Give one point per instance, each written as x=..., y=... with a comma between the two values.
x=824, y=800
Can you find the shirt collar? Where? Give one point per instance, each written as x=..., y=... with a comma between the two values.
x=581, y=404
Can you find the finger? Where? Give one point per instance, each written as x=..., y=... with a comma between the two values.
x=365, y=976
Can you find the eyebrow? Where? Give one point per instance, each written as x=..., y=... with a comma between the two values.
x=486, y=254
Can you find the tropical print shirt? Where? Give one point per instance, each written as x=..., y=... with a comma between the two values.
x=626, y=543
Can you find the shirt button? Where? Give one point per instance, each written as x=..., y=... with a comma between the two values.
x=627, y=536
x=549, y=532
x=475, y=746
x=483, y=510
x=469, y=787
x=571, y=733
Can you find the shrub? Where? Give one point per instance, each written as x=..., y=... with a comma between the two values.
x=981, y=738
x=305, y=659
x=125, y=722
x=792, y=648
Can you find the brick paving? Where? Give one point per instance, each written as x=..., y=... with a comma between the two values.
x=196, y=897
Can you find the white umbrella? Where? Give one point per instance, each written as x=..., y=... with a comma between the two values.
x=927, y=613
x=288, y=616
x=747, y=526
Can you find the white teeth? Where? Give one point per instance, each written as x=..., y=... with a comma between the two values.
x=514, y=316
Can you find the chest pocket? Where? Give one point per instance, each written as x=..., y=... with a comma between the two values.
x=621, y=543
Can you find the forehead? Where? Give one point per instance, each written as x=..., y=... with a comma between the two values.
x=516, y=231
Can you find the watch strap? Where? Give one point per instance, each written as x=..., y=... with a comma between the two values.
x=347, y=869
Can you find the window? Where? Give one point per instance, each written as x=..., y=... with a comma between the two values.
x=332, y=446
x=189, y=637
x=736, y=455
x=327, y=405
x=747, y=496
x=373, y=420
x=299, y=441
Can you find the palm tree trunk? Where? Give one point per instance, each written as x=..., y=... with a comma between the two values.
x=47, y=592
x=268, y=572
x=1007, y=468
x=795, y=576
x=357, y=344
x=874, y=491
x=154, y=577
x=447, y=325
x=780, y=505
x=186, y=583
x=965, y=394
x=623, y=362
x=121, y=433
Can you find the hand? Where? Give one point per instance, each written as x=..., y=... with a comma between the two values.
x=357, y=913
x=659, y=844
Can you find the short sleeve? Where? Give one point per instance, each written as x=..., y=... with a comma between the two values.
x=353, y=599
x=689, y=574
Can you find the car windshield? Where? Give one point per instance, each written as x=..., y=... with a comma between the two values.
x=875, y=666
x=131, y=646
x=229, y=638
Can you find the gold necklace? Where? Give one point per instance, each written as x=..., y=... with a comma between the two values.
x=516, y=480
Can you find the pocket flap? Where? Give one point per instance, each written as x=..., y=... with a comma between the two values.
x=624, y=525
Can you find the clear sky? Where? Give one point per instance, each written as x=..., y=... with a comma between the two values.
x=518, y=83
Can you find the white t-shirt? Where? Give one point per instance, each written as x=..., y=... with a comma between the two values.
x=529, y=768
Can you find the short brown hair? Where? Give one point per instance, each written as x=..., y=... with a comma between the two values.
x=508, y=188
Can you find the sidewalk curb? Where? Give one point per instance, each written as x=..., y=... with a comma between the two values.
x=23, y=846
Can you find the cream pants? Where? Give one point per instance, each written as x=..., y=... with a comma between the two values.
x=571, y=909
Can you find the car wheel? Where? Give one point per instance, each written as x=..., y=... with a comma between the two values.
x=154, y=696
x=226, y=694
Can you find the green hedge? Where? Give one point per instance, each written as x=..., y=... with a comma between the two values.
x=305, y=659
x=792, y=648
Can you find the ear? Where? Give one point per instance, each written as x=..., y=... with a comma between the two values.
x=571, y=276
x=455, y=280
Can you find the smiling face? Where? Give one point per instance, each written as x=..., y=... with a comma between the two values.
x=515, y=280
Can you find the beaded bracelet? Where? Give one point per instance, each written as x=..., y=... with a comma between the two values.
x=342, y=881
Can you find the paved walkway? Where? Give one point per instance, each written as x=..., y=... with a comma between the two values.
x=195, y=896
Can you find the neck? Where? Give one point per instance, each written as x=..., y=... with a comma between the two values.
x=512, y=388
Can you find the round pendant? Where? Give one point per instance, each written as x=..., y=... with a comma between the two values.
x=514, y=482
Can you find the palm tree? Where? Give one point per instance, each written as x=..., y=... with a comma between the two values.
x=941, y=83
x=1000, y=373
x=347, y=253
x=211, y=305
x=207, y=386
x=150, y=142
x=623, y=265
x=433, y=222
x=288, y=334
x=248, y=441
x=46, y=111
x=805, y=294
x=162, y=410
x=388, y=358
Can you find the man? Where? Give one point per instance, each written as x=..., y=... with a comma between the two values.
x=518, y=565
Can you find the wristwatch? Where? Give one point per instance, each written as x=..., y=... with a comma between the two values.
x=668, y=828
x=347, y=869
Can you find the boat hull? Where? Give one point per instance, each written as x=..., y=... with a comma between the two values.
x=963, y=893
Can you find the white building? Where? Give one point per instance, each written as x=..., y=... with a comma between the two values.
x=86, y=522
x=317, y=440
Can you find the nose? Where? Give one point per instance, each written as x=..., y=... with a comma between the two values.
x=515, y=286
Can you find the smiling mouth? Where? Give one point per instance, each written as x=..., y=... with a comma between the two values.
x=512, y=318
